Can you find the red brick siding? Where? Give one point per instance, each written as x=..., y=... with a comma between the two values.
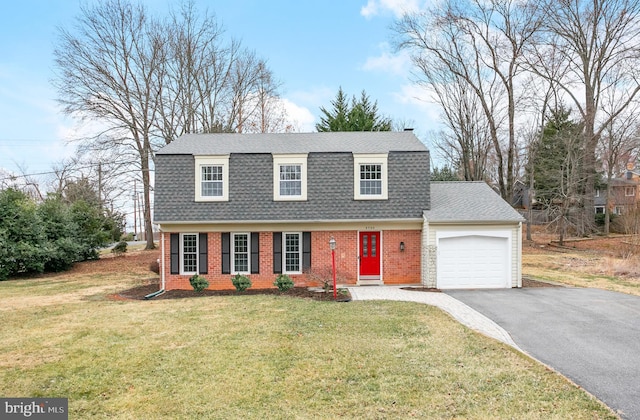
x=399, y=267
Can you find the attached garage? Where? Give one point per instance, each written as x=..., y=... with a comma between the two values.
x=471, y=238
x=470, y=261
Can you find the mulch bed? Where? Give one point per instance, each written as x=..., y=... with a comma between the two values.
x=138, y=293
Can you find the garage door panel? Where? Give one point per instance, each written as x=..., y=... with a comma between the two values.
x=472, y=261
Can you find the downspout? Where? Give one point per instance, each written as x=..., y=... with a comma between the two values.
x=162, y=279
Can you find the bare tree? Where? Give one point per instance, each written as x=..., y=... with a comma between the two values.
x=481, y=43
x=597, y=41
x=108, y=70
x=466, y=142
x=147, y=82
x=270, y=115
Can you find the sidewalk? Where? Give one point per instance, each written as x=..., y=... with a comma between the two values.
x=458, y=310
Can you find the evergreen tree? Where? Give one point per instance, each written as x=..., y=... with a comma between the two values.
x=556, y=159
x=444, y=174
x=336, y=119
x=361, y=115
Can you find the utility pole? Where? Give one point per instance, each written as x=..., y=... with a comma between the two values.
x=100, y=183
x=135, y=211
x=143, y=232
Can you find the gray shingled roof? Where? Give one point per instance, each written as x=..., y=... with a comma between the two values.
x=468, y=202
x=356, y=142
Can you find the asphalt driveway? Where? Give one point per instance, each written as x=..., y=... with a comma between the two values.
x=591, y=336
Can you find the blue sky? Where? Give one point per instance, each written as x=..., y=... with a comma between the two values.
x=312, y=47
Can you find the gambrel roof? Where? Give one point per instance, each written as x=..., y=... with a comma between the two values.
x=330, y=178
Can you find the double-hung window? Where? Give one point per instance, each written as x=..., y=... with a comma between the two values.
x=290, y=180
x=370, y=176
x=629, y=191
x=212, y=178
x=292, y=252
x=189, y=261
x=241, y=253
x=290, y=177
x=371, y=179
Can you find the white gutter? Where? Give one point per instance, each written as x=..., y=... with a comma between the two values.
x=162, y=279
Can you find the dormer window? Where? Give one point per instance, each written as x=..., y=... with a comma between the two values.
x=290, y=177
x=370, y=177
x=212, y=178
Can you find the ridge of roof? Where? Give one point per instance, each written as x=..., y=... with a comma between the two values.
x=283, y=143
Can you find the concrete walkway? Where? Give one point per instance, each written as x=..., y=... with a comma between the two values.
x=458, y=310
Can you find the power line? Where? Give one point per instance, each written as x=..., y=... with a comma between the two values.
x=12, y=177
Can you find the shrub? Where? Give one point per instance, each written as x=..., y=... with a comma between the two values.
x=198, y=283
x=240, y=282
x=324, y=277
x=283, y=282
x=120, y=248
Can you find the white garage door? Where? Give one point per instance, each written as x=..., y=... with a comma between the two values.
x=473, y=261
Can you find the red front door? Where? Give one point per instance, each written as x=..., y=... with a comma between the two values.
x=370, y=254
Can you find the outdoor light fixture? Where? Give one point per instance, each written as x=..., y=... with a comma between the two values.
x=401, y=246
x=332, y=245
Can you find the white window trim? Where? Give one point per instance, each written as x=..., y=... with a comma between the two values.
x=290, y=159
x=370, y=159
x=598, y=193
x=233, y=252
x=596, y=208
x=631, y=189
x=284, y=252
x=218, y=160
x=182, y=235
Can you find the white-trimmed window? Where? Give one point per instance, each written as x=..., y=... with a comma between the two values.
x=618, y=210
x=292, y=255
x=597, y=193
x=188, y=253
x=370, y=176
x=212, y=178
x=241, y=253
x=599, y=209
x=290, y=177
x=629, y=191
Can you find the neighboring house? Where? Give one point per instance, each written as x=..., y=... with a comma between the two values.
x=624, y=196
x=264, y=204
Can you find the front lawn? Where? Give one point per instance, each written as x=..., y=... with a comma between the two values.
x=261, y=357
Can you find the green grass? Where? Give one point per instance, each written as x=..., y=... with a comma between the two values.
x=255, y=357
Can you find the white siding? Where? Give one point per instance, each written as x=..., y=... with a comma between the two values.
x=432, y=231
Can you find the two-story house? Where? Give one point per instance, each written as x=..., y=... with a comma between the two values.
x=264, y=204
x=623, y=195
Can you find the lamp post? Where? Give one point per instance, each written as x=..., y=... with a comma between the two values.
x=332, y=245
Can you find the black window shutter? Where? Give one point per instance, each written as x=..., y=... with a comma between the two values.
x=255, y=252
x=277, y=252
x=226, y=253
x=174, y=250
x=306, y=251
x=203, y=264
